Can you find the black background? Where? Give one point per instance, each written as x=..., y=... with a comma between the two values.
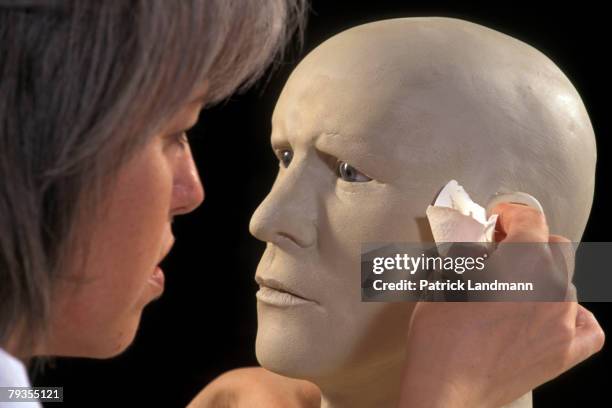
x=205, y=323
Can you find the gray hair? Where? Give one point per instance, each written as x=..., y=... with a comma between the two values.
x=83, y=84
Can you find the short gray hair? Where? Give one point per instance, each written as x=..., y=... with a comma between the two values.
x=83, y=84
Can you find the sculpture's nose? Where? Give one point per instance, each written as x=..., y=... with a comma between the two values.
x=289, y=211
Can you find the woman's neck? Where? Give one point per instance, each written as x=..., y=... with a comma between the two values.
x=11, y=347
x=15, y=346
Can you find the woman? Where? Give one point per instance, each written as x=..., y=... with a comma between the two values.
x=95, y=101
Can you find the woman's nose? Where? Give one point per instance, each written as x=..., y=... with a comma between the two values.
x=187, y=191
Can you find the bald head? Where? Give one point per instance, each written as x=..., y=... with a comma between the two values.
x=369, y=127
x=441, y=98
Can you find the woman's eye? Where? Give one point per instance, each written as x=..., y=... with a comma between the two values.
x=285, y=156
x=177, y=139
x=351, y=174
x=181, y=138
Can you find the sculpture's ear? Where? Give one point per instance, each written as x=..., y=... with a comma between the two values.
x=513, y=197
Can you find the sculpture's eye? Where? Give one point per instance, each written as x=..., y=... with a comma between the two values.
x=351, y=174
x=285, y=156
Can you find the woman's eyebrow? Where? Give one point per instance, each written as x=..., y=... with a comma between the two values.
x=202, y=96
x=184, y=120
x=199, y=100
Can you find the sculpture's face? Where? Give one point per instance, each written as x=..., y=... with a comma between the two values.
x=347, y=175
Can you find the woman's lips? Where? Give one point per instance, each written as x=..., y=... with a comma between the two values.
x=158, y=279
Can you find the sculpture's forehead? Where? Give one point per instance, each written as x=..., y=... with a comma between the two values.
x=370, y=94
x=362, y=73
x=330, y=103
x=393, y=127
x=400, y=48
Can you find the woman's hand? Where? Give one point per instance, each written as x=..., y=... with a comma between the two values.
x=255, y=387
x=488, y=354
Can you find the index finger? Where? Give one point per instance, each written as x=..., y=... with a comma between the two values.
x=520, y=223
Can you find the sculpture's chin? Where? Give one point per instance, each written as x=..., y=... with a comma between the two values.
x=281, y=352
x=298, y=348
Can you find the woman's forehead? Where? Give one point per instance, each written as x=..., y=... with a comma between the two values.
x=187, y=114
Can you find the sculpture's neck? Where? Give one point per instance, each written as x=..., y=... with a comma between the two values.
x=372, y=386
x=376, y=385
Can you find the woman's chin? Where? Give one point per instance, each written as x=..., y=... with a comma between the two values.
x=116, y=345
x=95, y=344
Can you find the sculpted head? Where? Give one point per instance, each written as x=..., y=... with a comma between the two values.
x=368, y=128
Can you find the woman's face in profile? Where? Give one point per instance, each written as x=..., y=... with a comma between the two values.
x=96, y=314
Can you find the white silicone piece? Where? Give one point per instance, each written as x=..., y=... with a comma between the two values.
x=516, y=197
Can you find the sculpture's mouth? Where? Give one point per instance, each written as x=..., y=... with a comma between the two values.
x=276, y=293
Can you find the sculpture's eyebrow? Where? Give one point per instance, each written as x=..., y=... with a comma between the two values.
x=278, y=140
x=357, y=151
x=342, y=146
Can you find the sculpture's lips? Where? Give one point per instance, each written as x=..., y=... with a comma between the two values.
x=277, y=293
